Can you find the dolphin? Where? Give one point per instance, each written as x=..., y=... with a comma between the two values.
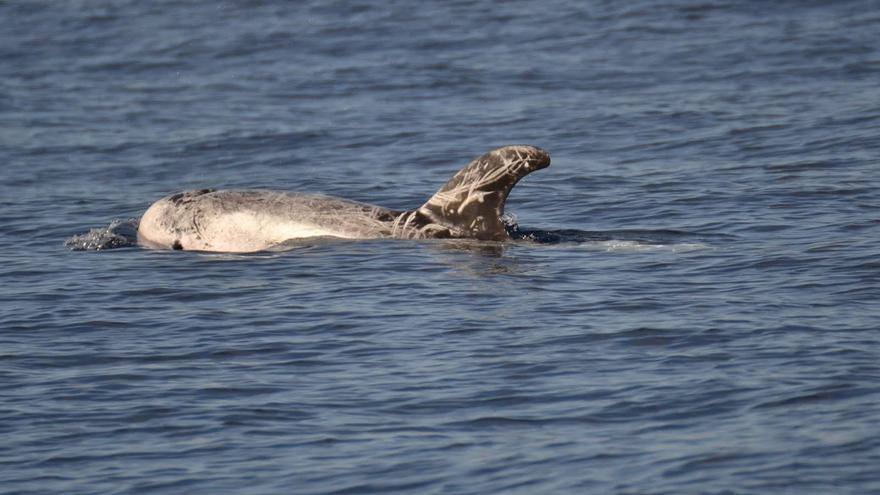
x=469, y=206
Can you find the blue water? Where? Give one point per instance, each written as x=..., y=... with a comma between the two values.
x=698, y=311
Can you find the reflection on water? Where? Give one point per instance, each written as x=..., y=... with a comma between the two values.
x=123, y=233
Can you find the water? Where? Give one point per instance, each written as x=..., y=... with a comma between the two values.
x=692, y=308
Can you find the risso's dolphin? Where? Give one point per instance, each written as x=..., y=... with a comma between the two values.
x=470, y=205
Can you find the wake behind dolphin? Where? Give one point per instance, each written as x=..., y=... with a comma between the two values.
x=469, y=206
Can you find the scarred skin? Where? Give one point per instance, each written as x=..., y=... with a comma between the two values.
x=470, y=205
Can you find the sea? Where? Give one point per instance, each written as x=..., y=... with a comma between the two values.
x=690, y=303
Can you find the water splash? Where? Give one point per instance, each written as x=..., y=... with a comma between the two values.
x=119, y=234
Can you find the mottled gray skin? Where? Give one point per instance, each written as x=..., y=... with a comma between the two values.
x=470, y=205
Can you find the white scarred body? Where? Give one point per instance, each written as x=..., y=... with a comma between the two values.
x=470, y=205
x=246, y=221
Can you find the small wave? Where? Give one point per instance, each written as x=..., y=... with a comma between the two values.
x=638, y=246
x=619, y=240
x=119, y=234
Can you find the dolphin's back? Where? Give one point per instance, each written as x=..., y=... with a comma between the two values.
x=246, y=221
x=469, y=205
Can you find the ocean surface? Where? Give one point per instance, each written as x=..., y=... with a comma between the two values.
x=692, y=305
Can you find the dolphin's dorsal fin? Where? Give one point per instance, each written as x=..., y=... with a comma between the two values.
x=471, y=204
